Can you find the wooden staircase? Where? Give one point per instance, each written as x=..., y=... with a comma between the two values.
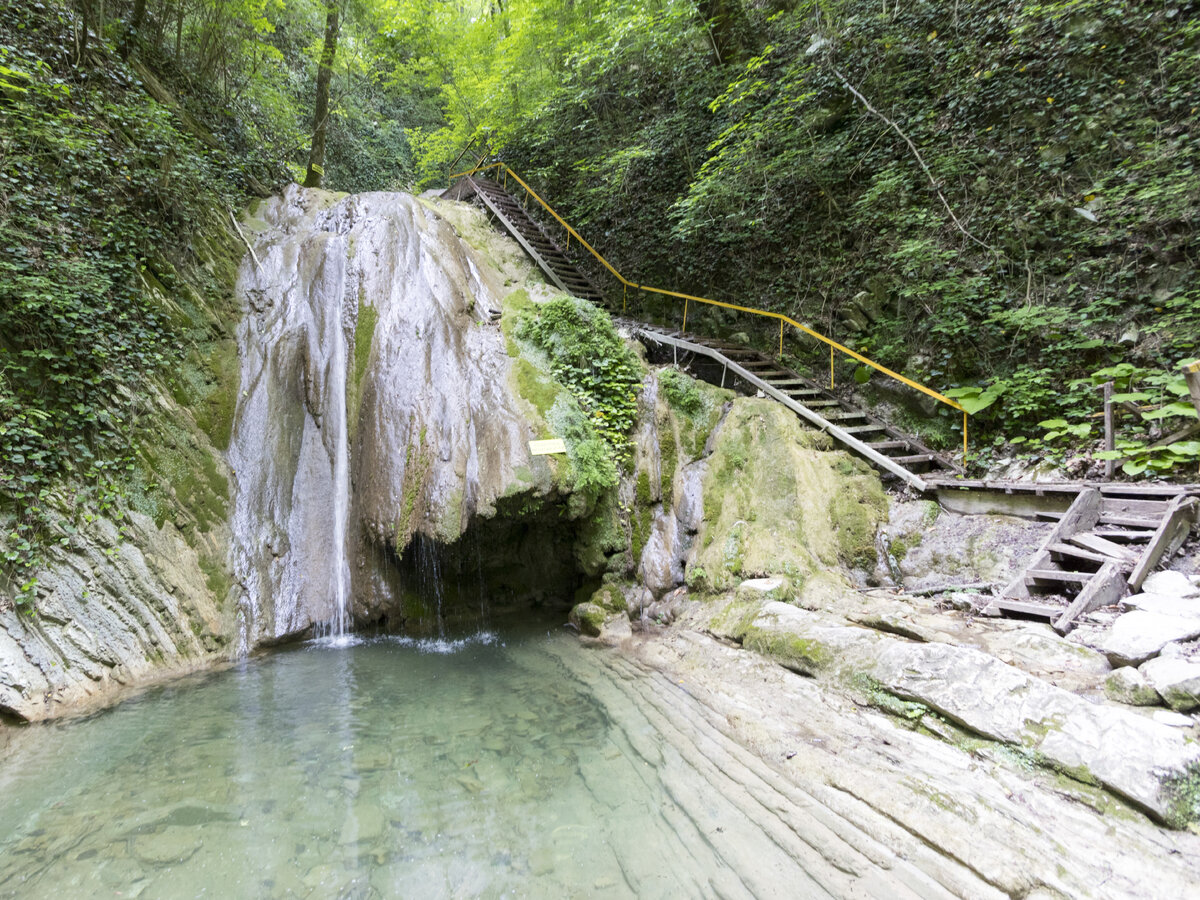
x=529, y=233
x=1105, y=544
x=896, y=453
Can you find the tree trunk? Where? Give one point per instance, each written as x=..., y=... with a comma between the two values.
x=316, y=158
x=132, y=35
x=726, y=22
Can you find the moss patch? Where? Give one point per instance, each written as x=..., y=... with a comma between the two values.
x=802, y=655
x=774, y=506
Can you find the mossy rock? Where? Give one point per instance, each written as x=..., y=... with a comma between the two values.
x=589, y=618
x=609, y=597
x=775, y=506
x=800, y=654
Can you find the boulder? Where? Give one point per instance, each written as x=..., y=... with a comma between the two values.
x=1185, y=608
x=588, y=618
x=1137, y=636
x=1170, y=584
x=1127, y=685
x=1177, y=680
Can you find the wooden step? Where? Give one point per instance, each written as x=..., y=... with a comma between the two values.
x=1057, y=575
x=1022, y=608
x=1122, y=534
x=1130, y=521
x=862, y=429
x=1093, y=543
x=1153, y=509
x=889, y=445
x=916, y=458
x=789, y=381
x=847, y=414
x=1078, y=553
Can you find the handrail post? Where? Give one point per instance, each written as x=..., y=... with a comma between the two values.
x=685, y=309
x=781, y=339
x=964, y=437
x=831, y=367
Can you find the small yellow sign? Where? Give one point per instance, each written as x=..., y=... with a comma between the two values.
x=543, y=448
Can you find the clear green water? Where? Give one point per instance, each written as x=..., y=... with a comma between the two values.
x=390, y=768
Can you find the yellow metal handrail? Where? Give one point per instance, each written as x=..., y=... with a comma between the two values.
x=687, y=298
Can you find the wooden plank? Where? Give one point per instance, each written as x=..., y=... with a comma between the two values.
x=1023, y=608
x=1134, y=507
x=1078, y=553
x=1191, y=374
x=1167, y=539
x=1058, y=575
x=1148, y=522
x=1089, y=540
x=1122, y=534
x=1107, y=587
x=918, y=458
x=1050, y=514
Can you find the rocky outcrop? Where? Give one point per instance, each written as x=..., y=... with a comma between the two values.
x=142, y=591
x=1128, y=754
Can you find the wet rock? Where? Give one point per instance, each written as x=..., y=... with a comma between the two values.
x=774, y=588
x=1177, y=680
x=1127, y=685
x=777, y=501
x=110, y=611
x=661, y=566
x=616, y=631
x=363, y=824
x=166, y=846
x=1119, y=749
x=1137, y=636
x=378, y=307
x=1173, y=719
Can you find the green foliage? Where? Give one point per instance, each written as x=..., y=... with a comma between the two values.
x=99, y=186
x=1058, y=134
x=588, y=356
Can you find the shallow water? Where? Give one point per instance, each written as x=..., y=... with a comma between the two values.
x=387, y=767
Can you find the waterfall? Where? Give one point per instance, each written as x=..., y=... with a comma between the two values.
x=338, y=625
x=375, y=408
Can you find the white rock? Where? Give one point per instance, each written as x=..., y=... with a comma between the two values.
x=1177, y=680
x=1174, y=719
x=1187, y=608
x=1170, y=584
x=1139, y=635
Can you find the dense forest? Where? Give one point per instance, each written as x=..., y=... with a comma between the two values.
x=997, y=198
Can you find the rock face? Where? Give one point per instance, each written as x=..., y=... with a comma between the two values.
x=112, y=610
x=377, y=402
